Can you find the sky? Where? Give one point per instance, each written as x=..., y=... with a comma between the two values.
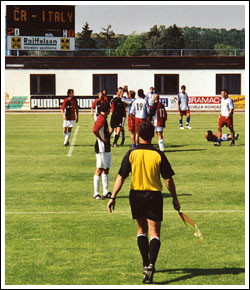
x=126, y=19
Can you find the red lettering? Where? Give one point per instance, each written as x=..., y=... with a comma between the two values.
x=62, y=19
x=50, y=15
x=57, y=16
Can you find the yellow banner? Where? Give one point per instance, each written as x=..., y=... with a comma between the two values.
x=239, y=101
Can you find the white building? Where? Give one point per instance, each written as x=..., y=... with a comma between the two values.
x=45, y=80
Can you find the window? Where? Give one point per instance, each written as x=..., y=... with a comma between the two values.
x=42, y=84
x=167, y=84
x=107, y=82
x=230, y=82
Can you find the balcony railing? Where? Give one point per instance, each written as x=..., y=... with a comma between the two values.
x=143, y=52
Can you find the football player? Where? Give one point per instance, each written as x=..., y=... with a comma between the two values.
x=183, y=107
x=140, y=111
x=118, y=112
x=69, y=110
x=224, y=137
x=103, y=152
x=226, y=117
x=159, y=114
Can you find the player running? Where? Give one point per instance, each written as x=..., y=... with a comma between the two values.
x=129, y=101
x=183, y=107
x=226, y=117
x=69, y=110
x=224, y=137
x=140, y=111
x=103, y=152
x=159, y=114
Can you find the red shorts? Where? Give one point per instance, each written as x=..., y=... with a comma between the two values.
x=184, y=113
x=131, y=123
x=223, y=122
x=137, y=123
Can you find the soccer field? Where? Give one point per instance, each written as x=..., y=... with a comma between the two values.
x=57, y=234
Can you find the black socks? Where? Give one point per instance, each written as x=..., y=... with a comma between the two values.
x=143, y=245
x=154, y=247
x=149, y=251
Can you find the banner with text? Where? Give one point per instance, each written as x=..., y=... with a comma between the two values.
x=40, y=43
x=239, y=102
x=52, y=102
x=206, y=103
x=85, y=102
x=17, y=103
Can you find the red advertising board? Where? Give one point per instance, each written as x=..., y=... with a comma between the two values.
x=205, y=100
x=205, y=103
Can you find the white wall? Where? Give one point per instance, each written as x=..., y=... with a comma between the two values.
x=17, y=83
x=198, y=82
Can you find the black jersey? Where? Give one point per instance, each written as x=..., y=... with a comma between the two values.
x=117, y=107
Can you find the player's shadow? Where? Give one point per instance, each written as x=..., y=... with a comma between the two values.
x=175, y=146
x=169, y=146
x=188, y=150
x=82, y=145
x=191, y=273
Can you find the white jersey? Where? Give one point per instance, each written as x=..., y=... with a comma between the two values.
x=140, y=108
x=226, y=105
x=150, y=98
x=183, y=101
x=129, y=102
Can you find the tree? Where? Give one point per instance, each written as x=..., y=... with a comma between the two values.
x=84, y=39
x=174, y=37
x=197, y=37
x=106, y=38
x=164, y=38
x=223, y=49
x=132, y=46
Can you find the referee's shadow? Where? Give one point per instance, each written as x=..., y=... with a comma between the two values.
x=191, y=273
x=181, y=150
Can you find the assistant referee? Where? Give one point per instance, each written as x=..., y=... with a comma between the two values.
x=146, y=164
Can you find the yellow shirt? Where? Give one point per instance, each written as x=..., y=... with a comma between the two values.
x=146, y=164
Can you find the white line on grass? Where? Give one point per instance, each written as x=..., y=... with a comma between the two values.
x=30, y=156
x=73, y=142
x=125, y=211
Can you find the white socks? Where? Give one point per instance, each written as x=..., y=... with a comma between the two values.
x=161, y=145
x=105, y=184
x=66, y=137
x=97, y=180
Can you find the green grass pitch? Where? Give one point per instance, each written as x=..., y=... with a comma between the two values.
x=57, y=234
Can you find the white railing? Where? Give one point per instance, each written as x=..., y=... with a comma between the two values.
x=143, y=52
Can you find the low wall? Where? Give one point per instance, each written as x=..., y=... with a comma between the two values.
x=48, y=103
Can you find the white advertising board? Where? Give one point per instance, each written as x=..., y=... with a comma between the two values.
x=40, y=43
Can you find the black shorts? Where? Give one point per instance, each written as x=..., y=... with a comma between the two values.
x=116, y=121
x=146, y=204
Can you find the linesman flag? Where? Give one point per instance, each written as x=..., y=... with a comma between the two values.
x=187, y=219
